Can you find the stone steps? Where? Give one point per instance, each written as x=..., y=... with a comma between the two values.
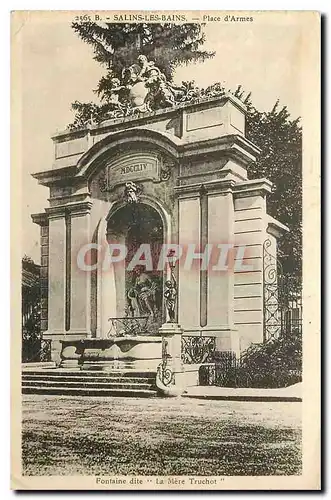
x=67, y=391
x=115, y=383
x=84, y=379
x=80, y=384
x=60, y=372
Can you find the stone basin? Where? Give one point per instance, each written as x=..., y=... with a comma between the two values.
x=141, y=352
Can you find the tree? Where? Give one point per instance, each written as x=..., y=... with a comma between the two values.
x=30, y=308
x=117, y=45
x=280, y=141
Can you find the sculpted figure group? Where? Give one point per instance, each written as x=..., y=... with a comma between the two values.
x=143, y=88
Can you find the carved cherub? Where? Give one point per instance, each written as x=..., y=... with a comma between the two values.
x=166, y=95
x=170, y=295
x=115, y=91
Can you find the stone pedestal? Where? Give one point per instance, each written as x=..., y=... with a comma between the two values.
x=172, y=345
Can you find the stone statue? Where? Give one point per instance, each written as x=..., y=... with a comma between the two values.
x=116, y=89
x=143, y=88
x=170, y=295
x=142, y=296
x=148, y=69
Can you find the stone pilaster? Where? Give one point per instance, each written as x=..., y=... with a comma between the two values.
x=189, y=284
x=214, y=215
x=78, y=280
x=57, y=273
x=42, y=220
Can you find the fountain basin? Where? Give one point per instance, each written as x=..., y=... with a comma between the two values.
x=138, y=352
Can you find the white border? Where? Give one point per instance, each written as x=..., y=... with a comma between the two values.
x=322, y=6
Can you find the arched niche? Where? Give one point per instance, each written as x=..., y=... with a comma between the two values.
x=145, y=222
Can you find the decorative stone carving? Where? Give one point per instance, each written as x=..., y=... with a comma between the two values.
x=132, y=192
x=170, y=293
x=165, y=172
x=143, y=88
x=103, y=182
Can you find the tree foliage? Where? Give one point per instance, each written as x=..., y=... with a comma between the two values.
x=276, y=363
x=280, y=141
x=117, y=45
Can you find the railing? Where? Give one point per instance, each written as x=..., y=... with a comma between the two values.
x=282, y=304
x=196, y=350
x=224, y=371
x=277, y=362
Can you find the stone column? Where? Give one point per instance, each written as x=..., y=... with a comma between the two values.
x=57, y=271
x=189, y=278
x=206, y=296
x=64, y=230
x=55, y=281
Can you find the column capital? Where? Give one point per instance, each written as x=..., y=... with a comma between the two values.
x=41, y=219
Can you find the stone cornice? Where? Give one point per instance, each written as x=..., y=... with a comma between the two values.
x=132, y=121
x=41, y=219
x=49, y=177
x=276, y=228
x=220, y=186
x=255, y=187
x=73, y=209
x=234, y=147
x=222, y=173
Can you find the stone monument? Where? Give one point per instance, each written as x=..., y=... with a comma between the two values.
x=165, y=168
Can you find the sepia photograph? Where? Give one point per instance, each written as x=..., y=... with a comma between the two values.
x=161, y=208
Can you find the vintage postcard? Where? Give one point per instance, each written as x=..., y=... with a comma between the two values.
x=165, y=250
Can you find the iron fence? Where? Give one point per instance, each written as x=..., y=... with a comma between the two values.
x=197, y=349
x=282, y=301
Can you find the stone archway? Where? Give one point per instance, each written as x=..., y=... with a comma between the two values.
x=138, y=281
x=130, y=225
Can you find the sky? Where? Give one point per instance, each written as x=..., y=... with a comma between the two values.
x=58, y=68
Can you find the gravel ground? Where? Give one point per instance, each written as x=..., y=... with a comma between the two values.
x=129, y=436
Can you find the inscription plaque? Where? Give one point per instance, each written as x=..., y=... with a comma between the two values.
x=133, y=167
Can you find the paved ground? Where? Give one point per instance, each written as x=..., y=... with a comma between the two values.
x=291, y=393
x=180, y=436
